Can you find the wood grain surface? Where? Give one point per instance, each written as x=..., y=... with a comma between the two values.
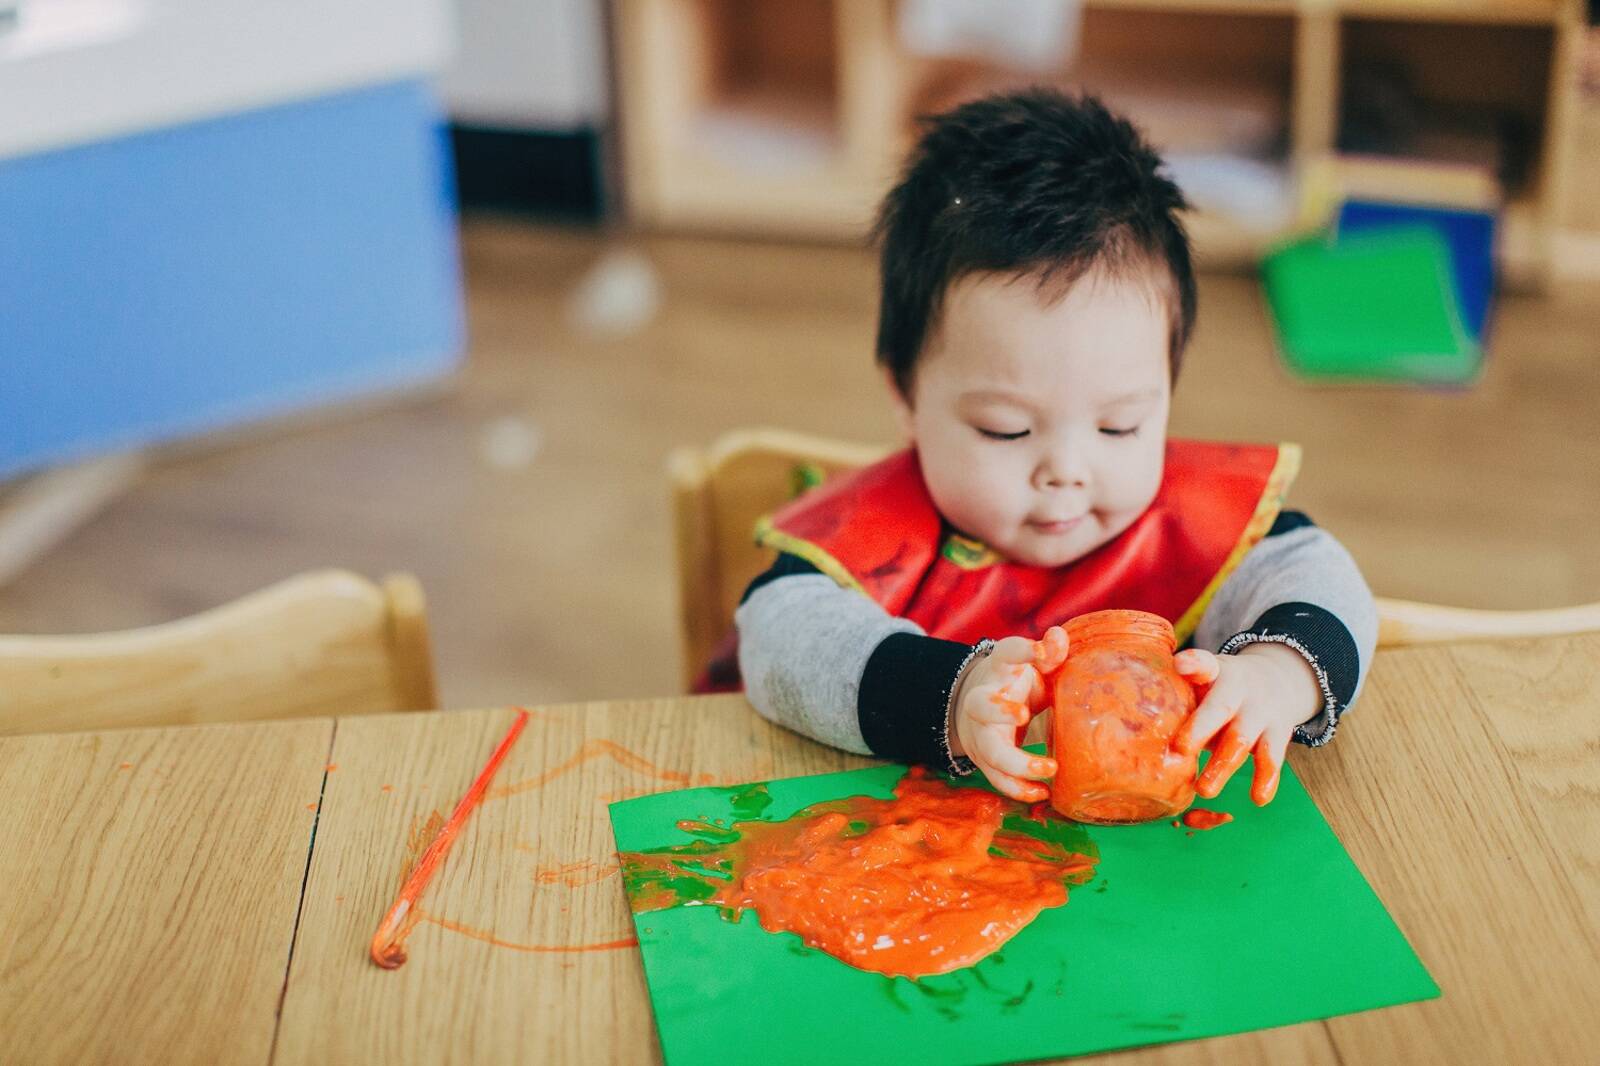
x=526, y=953
x=149, y=883
x=1457, y=788
x=1463, y=786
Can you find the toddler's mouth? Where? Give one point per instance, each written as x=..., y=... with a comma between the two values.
x=1060, y=525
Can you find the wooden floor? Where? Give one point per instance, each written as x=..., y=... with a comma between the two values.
x=552, y=581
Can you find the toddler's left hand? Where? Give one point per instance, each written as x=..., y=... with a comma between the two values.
x=1250, y=704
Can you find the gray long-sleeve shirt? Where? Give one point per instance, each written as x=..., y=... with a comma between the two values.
x=830, y=663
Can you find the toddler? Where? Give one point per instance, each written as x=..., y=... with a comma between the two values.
x=1037, y=296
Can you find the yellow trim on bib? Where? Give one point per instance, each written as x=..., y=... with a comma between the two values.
x=770, y=536
x=1267, y=508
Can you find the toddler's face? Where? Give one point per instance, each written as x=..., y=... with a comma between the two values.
x=1041, y=424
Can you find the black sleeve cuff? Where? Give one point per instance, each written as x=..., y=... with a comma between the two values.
x=904, y=700
x=1288, y=522
x=786, y=565
x=1328, y=647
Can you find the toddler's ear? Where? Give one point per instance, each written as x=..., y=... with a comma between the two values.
x=902, y=407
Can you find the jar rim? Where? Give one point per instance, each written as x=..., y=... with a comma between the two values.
x=1097, y=625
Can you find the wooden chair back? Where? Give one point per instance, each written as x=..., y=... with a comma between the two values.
x=719, y=493
x=1402, y=623
x=325, y=642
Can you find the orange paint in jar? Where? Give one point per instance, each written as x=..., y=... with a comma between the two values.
x=1119, y=703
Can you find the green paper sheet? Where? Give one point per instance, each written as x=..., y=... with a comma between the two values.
x=1261, y=922
x=1376, y=305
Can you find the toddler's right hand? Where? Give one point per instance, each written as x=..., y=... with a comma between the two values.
x=998, y=697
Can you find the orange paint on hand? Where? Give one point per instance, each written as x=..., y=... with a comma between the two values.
x=1200, y=818
x=387, y=948
x=1050, y=650
x=1227, y=756
x=930, y=881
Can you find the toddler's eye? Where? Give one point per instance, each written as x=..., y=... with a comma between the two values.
x=1111, y=431
x=994, y=435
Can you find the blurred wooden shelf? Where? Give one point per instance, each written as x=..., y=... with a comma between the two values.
x=1503, y=12
x=790, y=117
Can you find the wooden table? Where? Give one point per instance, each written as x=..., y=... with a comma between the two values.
x=207, y=893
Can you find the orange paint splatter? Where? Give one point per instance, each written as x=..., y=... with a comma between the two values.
x=1200, y=818
x=489, y=938
x=311, y=806
x=594, y=749
x=422, y=830
x=331, y=767
x=927, y=882
x=575, y=874
x=125, y=766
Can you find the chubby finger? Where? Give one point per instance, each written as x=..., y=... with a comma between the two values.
x=1012, y=650
x=1269, y=768
x=990, y=705
x=1229, y=755
x=1200, y=667
x=1021, y=683
x=994, y=748
x=1015, y=787
x=1050, y=650
x=1214, y=712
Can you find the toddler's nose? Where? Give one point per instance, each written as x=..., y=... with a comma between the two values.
x=1061, y=472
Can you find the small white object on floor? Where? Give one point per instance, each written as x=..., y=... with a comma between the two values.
x=618, y=297
x=509, y=443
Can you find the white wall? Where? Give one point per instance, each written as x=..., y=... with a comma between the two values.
x=528, y=64
x=80, y=70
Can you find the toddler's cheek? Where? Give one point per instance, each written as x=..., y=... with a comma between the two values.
x=1137, y=486
x=984, y=509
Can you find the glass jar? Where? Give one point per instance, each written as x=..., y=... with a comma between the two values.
x=1119, y=702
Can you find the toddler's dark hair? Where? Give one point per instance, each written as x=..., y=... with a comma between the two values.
x=1035, y=182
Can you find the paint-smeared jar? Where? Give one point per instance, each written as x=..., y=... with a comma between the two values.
x=1119, y=702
